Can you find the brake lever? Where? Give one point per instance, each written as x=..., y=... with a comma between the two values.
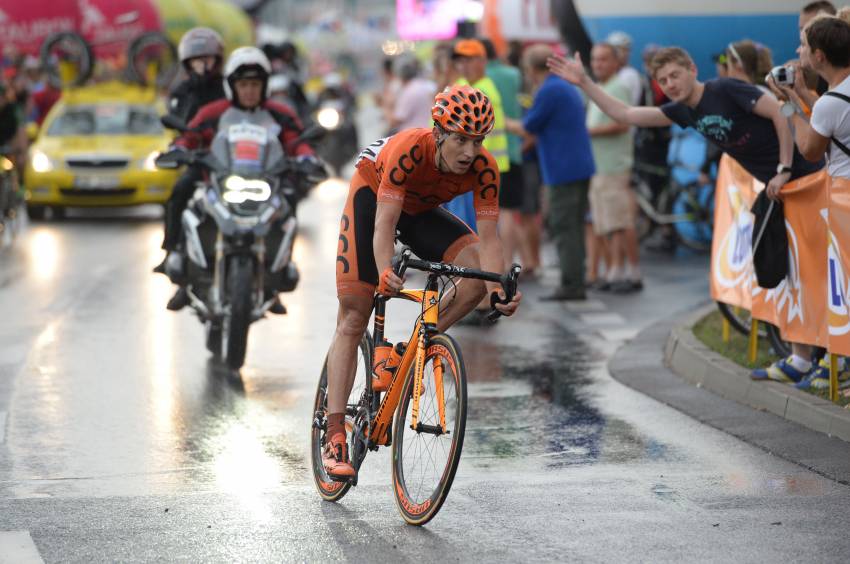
x=399, y=262
x=509, y=285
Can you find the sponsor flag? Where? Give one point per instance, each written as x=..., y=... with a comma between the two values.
x=837, y=262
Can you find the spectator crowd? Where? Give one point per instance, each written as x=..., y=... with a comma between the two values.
x=571, y=153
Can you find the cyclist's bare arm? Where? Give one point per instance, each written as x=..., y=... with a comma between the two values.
x=492, y=259
x=383, y=241
x=573, y=71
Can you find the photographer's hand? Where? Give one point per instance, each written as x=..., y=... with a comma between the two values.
x=776, y=183
x=782, y=92
x=805, y=97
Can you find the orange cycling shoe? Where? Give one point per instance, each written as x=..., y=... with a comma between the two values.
x=335, y=458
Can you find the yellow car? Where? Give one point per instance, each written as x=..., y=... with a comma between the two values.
x=97, y=148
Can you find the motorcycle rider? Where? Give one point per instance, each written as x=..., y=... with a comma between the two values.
x=201, y=52
x=246, y=78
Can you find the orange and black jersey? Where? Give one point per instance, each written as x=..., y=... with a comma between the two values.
x=402, y=169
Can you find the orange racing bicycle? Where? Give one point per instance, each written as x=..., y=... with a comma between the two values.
x=427, y=393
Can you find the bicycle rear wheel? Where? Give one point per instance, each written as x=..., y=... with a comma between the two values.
x=425, y=461
x=780, y=346
x=329, y=489
x=740, y=319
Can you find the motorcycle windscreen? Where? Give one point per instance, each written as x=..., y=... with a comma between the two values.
x=249, y=149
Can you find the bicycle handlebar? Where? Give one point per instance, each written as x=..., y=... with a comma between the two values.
x=402, y=261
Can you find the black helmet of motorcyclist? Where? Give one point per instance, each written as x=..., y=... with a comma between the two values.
x=246, y=63
x=288, y=52
x=196, y=47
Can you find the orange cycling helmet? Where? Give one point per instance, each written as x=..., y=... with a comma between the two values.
x=464, y=110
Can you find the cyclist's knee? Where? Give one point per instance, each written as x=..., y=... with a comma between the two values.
x=353, y=317
x=469, y=256
x=478, y=291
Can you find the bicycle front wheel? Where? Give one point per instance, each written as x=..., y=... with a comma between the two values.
x=425, y=459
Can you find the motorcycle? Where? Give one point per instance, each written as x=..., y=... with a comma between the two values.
x=335, y=113
x=238, y=227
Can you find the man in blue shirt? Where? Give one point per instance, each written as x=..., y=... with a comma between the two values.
x=557, y=119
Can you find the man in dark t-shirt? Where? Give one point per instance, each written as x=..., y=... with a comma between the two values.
x=736, y=116
x=725, y=116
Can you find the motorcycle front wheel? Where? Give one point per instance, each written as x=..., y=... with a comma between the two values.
x=234, y=334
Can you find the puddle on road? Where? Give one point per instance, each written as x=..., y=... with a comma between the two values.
x=536, y=403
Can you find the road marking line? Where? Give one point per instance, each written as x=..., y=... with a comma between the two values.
x=618, y=334
x=3, y=416
x=585, y=306
x=603, y=319
x=16, y=547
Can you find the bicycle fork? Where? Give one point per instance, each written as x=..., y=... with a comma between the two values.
x=430, y=316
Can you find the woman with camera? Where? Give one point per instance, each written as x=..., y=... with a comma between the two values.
x=825, y=48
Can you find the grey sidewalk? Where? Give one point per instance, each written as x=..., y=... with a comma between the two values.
x=784, y=421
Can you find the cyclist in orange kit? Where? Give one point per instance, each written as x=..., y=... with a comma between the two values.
x=399, y=185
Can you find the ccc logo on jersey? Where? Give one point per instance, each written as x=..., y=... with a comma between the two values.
x=488, y=178
x=406, y=164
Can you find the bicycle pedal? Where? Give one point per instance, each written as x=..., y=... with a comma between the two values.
x=342, y=480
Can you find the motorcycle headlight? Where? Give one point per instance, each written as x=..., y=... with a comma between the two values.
x=238, y=190
x=329, y=118
x=41, y=162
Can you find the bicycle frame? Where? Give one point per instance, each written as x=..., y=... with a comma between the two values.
x=426, y=325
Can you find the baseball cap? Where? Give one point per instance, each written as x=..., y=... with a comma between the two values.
x=469, y=48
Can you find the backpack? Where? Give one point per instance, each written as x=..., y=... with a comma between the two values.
x=770, y=245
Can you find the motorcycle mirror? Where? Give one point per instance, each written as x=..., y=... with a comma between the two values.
x=173, y=122
x=312, y=133
x=170, y=160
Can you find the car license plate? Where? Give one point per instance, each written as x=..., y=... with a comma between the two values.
x=96, y=181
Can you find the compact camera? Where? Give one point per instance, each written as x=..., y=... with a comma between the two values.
x=783, y=75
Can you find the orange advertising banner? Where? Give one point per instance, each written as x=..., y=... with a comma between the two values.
x=798, y=305
x=838, y=259
x=733, y=280
x=811, y=305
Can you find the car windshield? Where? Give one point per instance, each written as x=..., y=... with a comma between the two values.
x=106, y=119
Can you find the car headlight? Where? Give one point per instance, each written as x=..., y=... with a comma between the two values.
x=329, y=118
x=238, y=190
x=41, y=162
x=149, y=163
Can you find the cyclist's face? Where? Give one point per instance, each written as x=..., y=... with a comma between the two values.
x=459, y=151
x=249, y=91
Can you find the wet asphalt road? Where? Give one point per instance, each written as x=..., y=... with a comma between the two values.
x=121, y=441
